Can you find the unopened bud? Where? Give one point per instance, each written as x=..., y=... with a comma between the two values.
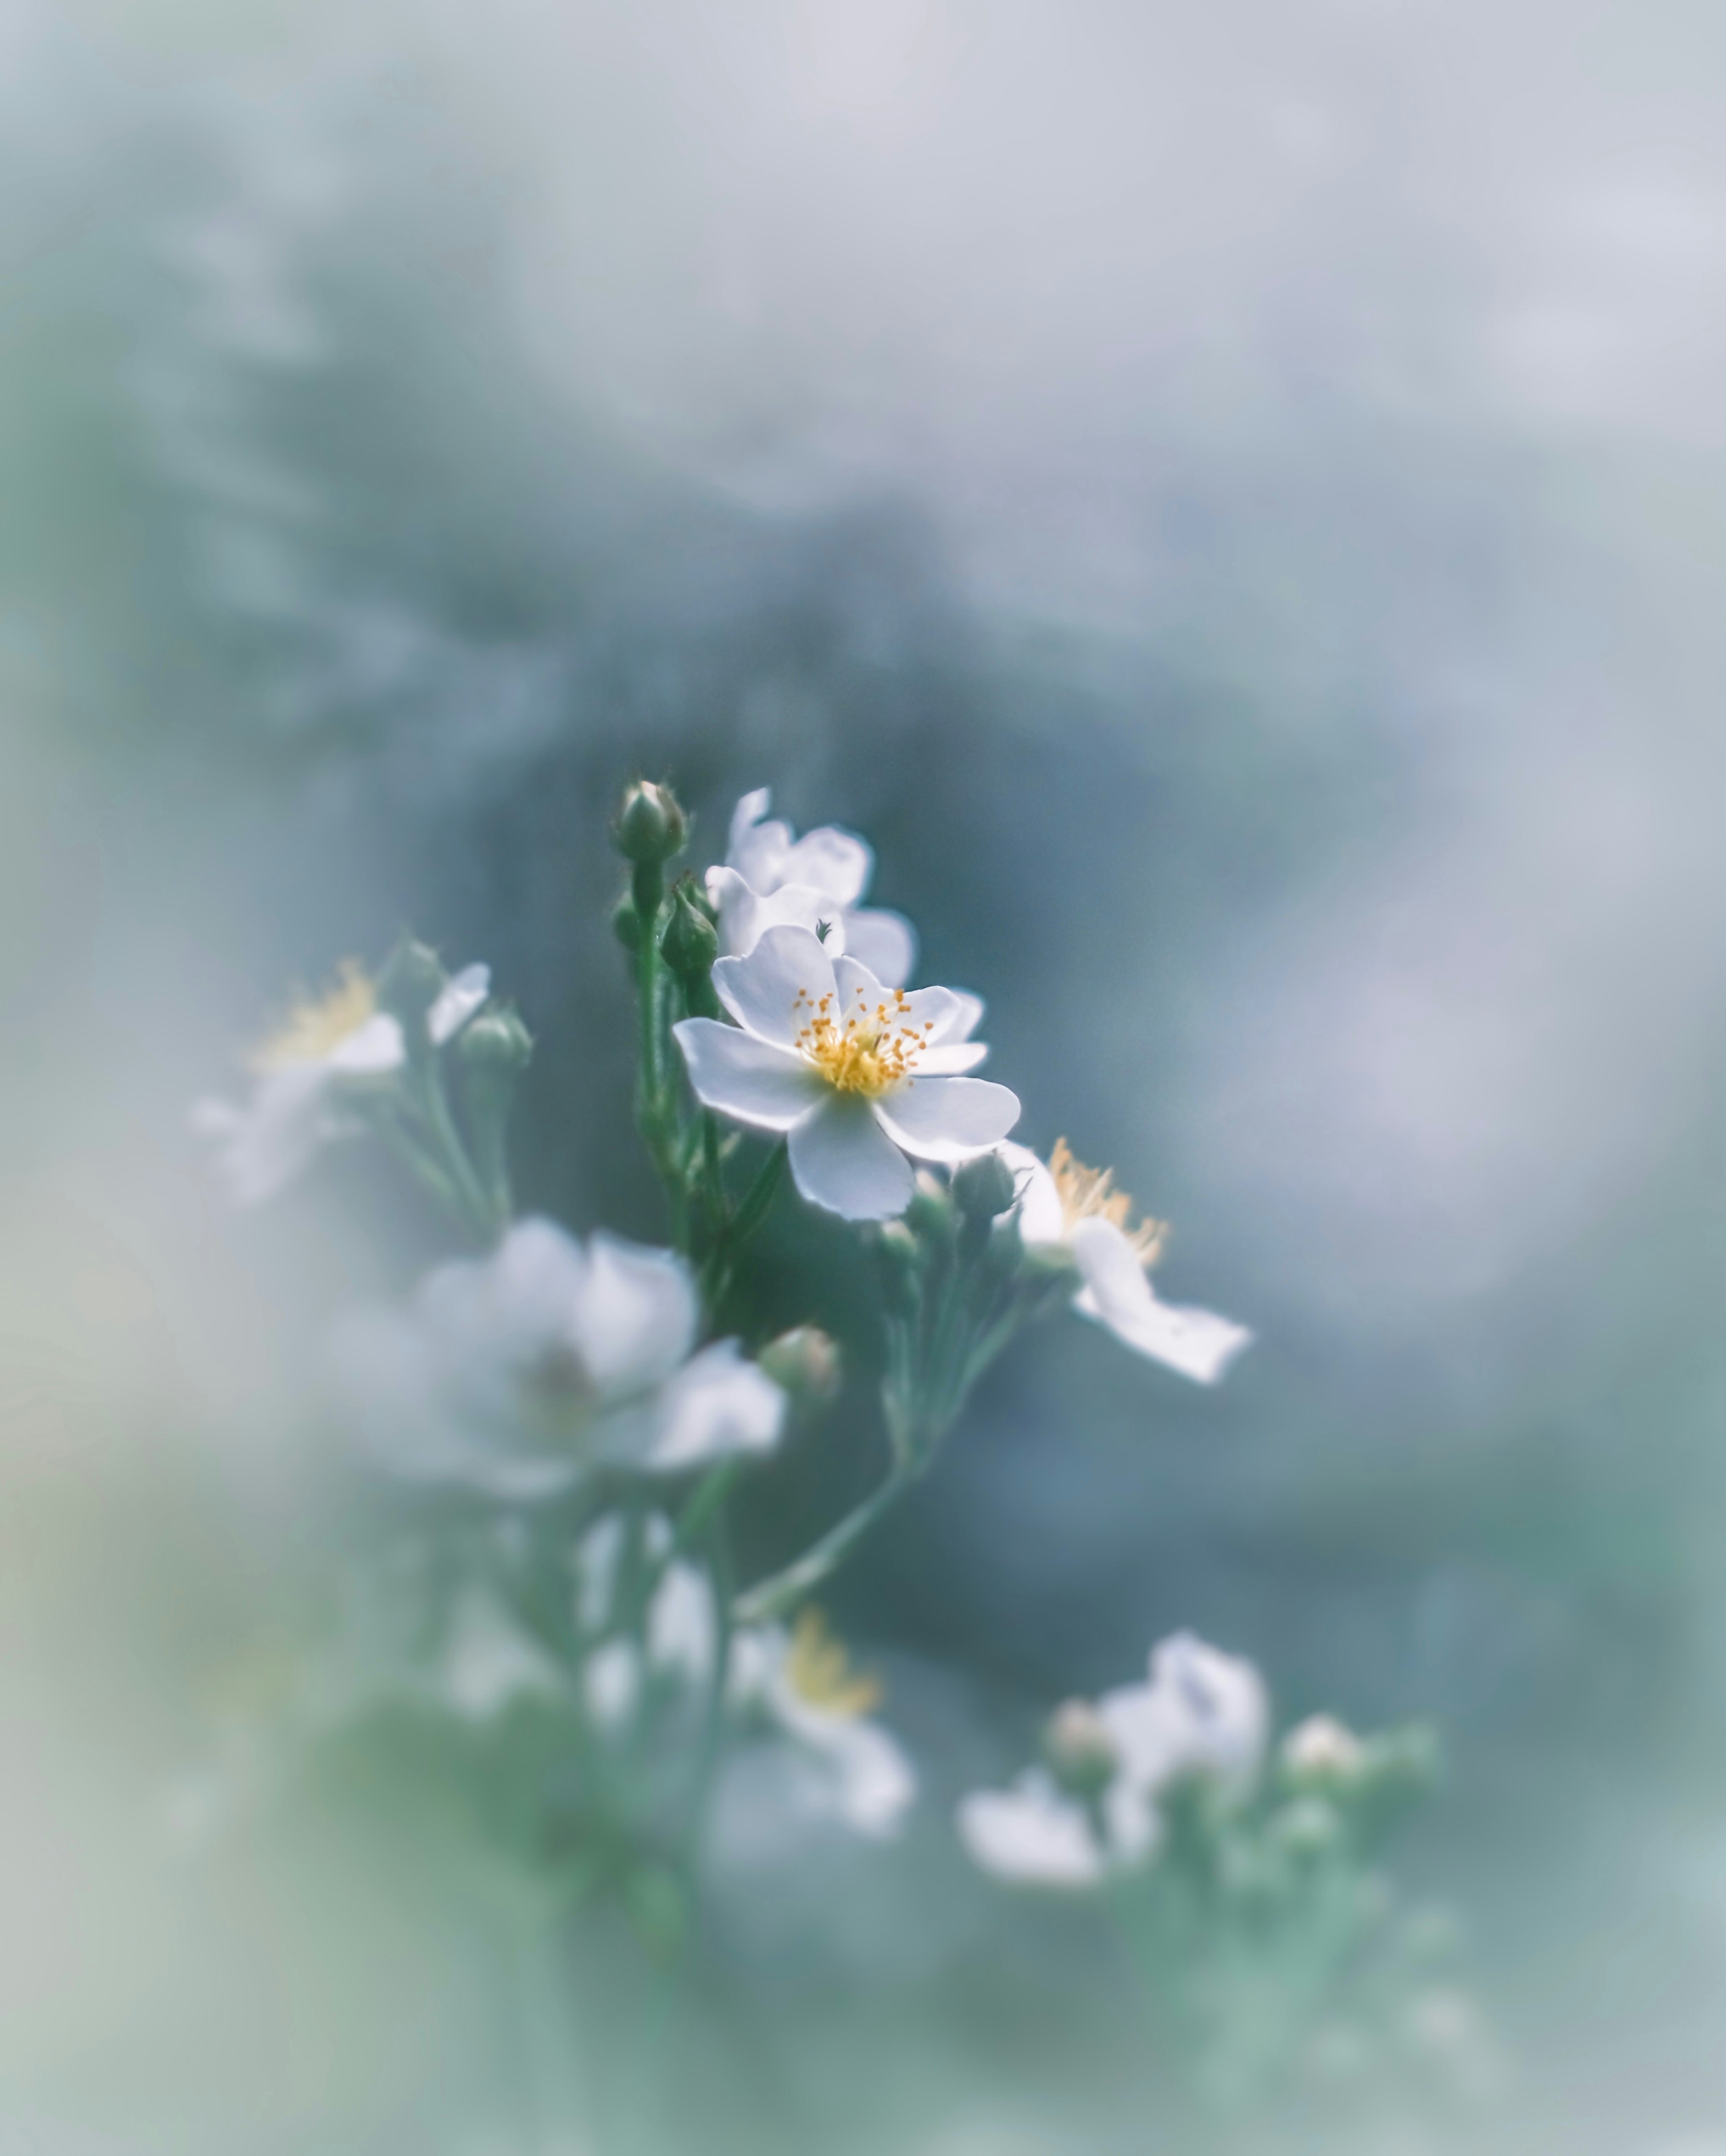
x=626, y=922
x=691, y=941
x=650, y=825
x=983, y=1188
x=930, y=1214
x=495, y=1046
x=1079, y=1749
x=411, y=982
x=806, y=1363
x=1321, y=1753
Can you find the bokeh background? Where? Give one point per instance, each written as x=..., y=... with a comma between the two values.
x=1229, y=499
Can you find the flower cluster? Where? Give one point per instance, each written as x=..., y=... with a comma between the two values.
x=559, y=1427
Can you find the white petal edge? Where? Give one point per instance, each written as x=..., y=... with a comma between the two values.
x=761, y=991
x=948, y=1119
x=1041, y=1218
x=843, y=1161
x=1198, y=1343
x=1031, y=1835
x=752, y=1081
x=886, y=942
x=635, y=1317
x=461, y=996
x=717, y=1404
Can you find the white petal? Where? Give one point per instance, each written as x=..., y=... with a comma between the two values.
x=876, y=1781
x=611, y=1682
x=749, y=812
x=755, y=847
x=717, y=1404
x=636, y=1315
x=459, y=999
x=748, y=1078
x=952, y=1059
x=1133, y=1824
x=770, y=992
x=682, y=1625
x=858, y=988
x=937, y=1016
x=1118, y=1293
x=267, y=1144
x=841, y=1160
x=1030, y=1834
x=886, y=942
x=370, y=1049
x=832, y=861
x=1220, y=1701
x=746, y=913
x=1041, y=1217
x=947, y=1118
x=968, y=1016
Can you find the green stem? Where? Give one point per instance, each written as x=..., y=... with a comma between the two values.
x=745, y=1224
x=773, y=1597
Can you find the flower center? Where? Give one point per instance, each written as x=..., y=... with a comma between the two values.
x=820, y=1671
x=863, y=1050
x=1088, y=1193
x=312, y=1029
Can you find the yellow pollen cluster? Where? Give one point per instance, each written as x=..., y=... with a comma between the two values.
x=312, y=1030
x=1087, y=1193
x=865, y=1051
x=819, y=1670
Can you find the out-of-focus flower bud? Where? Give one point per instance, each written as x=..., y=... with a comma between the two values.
x=1322, y=1754
x=805, y=1363
x=930, y=1214
x=411, y=982
x=1005, y=1252
x=650, y=827
x=1079, y=1749
x=626, y=923
x=494, y=1048
x=983, y=1188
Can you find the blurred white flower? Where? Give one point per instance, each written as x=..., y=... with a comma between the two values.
x=519, y=1371
x=300, y=1072
x=858, y=1074
x=771, y=880
x=842, y=1763
x=1064, y=1204
x=1322, y=1748
x=1202, y=1713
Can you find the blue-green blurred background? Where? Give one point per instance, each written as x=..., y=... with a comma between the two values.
x=1229, y=499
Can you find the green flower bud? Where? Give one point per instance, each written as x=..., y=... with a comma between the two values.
x=494, y=1048
x=1079, y=1751
x=806, y=1363
x=691, y=941
x=412, y=981
x=983, y=1188
x=930, y=1214
x=650, y=826
x=1306, y=1830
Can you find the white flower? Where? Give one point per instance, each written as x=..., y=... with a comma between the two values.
x=518, y=1372
x=859, y=1074
x=1202, y=1713
x=296, y=1106
x=1322, y=1750
x=771, y=880
x=844, y=1765
x=1068, y=1206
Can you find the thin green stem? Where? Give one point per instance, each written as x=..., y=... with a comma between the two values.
x=780, y=1591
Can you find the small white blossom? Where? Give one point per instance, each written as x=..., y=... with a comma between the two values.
x=858, y=1074
x=772, y=880
x=1322, y=1748
x=1202, y=1713
x=296, y=1105
x=519, y=1371
x=843, y=1763
x=1063, y=1204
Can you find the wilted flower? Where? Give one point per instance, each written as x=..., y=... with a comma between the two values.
x=1203, y=1713
x=519, y=1371
x=322, y=1050
x=846, y=1764
x=771, y=880
x=858, y=1074
x=1067, y=1206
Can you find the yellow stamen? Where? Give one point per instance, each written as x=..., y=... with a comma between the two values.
x=312, y=1029
x=1087, y=1193
x=819, y=1670
x=867, y=1051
